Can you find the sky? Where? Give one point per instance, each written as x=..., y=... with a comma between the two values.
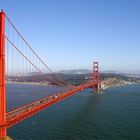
x=71, y=34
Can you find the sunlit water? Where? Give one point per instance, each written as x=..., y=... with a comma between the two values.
x=111, y=115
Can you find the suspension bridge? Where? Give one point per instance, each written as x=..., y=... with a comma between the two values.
x=19, y=63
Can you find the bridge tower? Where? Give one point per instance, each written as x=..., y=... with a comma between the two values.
x=3, y=129
x=96, y=77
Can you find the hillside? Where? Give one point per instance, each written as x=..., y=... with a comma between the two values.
x=108, y=79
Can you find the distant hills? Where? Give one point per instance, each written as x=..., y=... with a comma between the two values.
x=75, y=77
x=86, y=71
x=78, y=71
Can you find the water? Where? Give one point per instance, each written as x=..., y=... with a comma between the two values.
x=111, y=115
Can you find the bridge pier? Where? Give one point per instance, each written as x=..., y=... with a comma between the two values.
x=96, y=88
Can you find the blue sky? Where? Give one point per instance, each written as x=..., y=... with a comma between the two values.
x=71, y=34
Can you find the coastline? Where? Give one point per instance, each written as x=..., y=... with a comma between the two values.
x=114, y=82
x=30, y=83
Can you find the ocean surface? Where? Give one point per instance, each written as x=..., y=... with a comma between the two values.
x=111, y=115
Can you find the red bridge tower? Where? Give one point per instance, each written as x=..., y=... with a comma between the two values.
x=2, y=77
x=96, y=77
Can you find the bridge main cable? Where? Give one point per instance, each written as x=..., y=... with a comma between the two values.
x=29, y=60
x=52, y=72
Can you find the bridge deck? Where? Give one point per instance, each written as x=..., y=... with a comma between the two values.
x=27, y=111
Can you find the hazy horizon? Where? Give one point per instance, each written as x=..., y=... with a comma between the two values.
x=105, y=71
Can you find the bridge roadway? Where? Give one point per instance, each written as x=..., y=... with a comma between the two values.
x=22, y=113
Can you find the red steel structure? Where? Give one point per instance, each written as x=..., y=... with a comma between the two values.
x=2, y=77
x=15, y=116
x=96, y=76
